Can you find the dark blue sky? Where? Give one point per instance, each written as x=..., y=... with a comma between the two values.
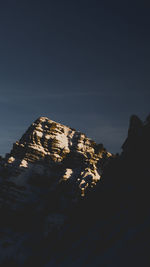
x=83, y=63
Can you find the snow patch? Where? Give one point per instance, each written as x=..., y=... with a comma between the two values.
x=67, y=174
x=23, y=163
x=11, y=159
x=39, y=133
x=63, y=140
x=47, y=136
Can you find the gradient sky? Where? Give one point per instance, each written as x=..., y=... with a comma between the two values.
x=82, y=63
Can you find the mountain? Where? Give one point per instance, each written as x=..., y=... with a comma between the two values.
x=50, y=155
x=66, y=201
x=45, y=175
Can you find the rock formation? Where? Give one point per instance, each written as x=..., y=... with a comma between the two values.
x=50, y=154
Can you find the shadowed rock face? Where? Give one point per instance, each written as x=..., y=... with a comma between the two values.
x=134, y=133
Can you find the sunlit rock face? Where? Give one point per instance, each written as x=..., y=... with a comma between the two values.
x=54, y=141
x=52, y=157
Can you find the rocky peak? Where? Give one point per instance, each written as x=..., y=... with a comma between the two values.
x=134, y=132
x=46, y=139
x=50, y=154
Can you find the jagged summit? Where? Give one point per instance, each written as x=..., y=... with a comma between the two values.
x=48, y=139
x=50, y=153
x=46, y=119
x=43, y=119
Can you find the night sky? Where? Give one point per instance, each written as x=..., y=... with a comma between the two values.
x=84, y=64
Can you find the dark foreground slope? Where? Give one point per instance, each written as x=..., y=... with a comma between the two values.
x=112, y=226
x=108, y=227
